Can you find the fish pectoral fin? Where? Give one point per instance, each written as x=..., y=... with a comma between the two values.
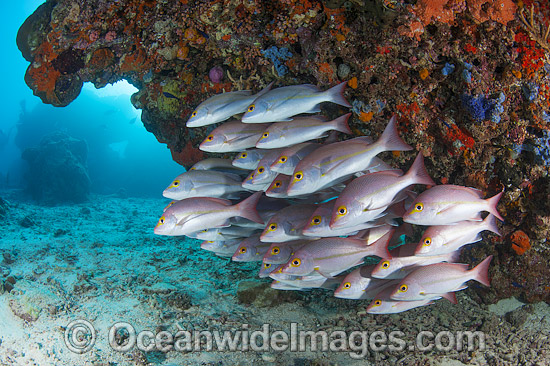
x=451, y=296
x=315, y=109
x=237, y=138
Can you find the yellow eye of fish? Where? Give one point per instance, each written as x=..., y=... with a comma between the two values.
x=251, y=177
x=251, y=108
x=427, y=242
x=176, y=183
x=275, y=250
x=261, y=169
x=273, y=227
x=342, y=210
x=161, y=221
x=243, y=155
x=386, y=264
x=194, y=114
x=267, y=265
x=403, y=288
x=316, y=220
x=243, y=250
x=296, y=262
x=298, y=176
x=282, y=159
x=277, y=184
x=265, y=135
x=210, y=138
x=377, y=302
x=347, y=285
x=418, y=207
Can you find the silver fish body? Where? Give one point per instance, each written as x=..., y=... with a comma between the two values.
x=287, y=224
x=194, y=214
x=249, y=159
x=280, y=104
x=334, y=163
x=221, y=107
x=232, y=136
x=289, y=157
x=203, y=183
x=250, y=249
x=300, y=129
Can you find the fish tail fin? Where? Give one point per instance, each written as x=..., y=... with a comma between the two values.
x=336, y=94
x=390, y=138
x=481, y=271
x=492, y=205
x=341, y=124
x=380, y=247
x=266, y=89
x=490, y=223
x=418, y=173
x=247, y=208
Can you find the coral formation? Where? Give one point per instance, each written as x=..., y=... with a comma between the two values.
x=420, y=60
x=58, y=170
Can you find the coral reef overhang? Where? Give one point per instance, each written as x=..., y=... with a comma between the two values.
x=469, y=83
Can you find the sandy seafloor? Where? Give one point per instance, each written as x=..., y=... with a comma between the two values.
x=100, y=261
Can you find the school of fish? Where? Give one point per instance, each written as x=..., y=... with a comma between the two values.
x=311, y=211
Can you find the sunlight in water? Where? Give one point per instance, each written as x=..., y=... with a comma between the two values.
x=112, y=90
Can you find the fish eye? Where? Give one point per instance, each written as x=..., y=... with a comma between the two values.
x=277, y=184
x=377, y=302
x=261, y=169
x=275, y=250
x=251, y=108
x=418, y=207
x=296, y=262
x=342, y=210
x=282, y=159
x=386, y=264
x=194, y=114
x=347, y=285
x=267, y=265
x=316, y=220
x=298, y=176
x=210, y=138
x=273, y=227
x=243, y=155
x=265, y=135
x=251, y=176
x=161, y=221
x=403, y=288
x=243, y=250
x=427, y=242
x=205, y=231
x=176, y=183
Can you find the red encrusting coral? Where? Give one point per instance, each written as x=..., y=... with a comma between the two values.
x=520, y=242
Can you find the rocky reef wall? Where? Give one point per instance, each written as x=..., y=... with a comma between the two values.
x=468, y=79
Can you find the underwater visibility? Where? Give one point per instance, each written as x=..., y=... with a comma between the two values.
x=278, y=182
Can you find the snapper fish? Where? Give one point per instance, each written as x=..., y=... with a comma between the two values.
x=221, y=107
x=249, y=159
x=440, y=279
x=383, y=304
x=291, y=156
x=223, y=233
x=250, y=249
x=280, y=104
x=334, y=163
x=219, y=165
x=263, y=174
x=301, y=129
x=194, y=214
x=221, y=248
x=366, y=197
x=400, y=267
x=318, y=224
x=203, y=183
x=443, y=239
x=448, y=204
x=286, y=225
x=306, y=283
x=355, y=283
x=232, y=136
x=279, y=253
x=331, y=256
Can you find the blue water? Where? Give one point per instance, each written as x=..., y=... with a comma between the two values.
x=121, y=153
